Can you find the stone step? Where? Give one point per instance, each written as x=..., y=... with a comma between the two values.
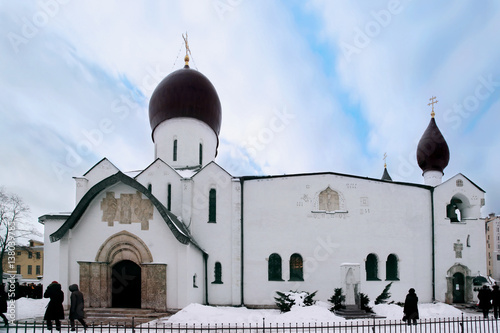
x=353, y=312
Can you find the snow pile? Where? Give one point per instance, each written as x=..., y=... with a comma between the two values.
x=297, y=298
x=201, y=314
x=30, y=308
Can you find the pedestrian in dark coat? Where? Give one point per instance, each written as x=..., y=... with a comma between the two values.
x=76, y=307
x=495, y=297
x=411, y=308
x=55, y=310
x=484, y=297
x=3, y=304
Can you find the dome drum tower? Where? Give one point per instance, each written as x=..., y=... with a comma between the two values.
x=185, y=117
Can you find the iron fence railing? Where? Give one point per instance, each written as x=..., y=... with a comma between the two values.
x=444, y=325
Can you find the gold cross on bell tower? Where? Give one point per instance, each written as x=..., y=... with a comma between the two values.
x=186, y=58
x=433, y=101
x=385, y=157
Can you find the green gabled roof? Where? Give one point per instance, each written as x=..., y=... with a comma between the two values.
x=178, y=228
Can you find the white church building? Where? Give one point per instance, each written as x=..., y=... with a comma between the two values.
x=183, y=230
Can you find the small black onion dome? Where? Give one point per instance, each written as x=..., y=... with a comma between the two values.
x=185, y=93
x=432, y=150
x=386, y=175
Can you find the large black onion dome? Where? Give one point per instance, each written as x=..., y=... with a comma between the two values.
x=185, y=93
x=432, y=151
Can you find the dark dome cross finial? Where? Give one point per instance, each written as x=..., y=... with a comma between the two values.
x=188, y=51
x=433, y=101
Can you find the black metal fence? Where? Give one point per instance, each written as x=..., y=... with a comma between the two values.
x=445, y=325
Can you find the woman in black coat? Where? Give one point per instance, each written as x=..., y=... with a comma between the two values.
x=55, y=310
x=411, y=308
x=76, y=308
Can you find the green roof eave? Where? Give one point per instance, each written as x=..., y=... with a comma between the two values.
x=178, y=228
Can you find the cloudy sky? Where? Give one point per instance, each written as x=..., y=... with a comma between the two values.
x=304, y=86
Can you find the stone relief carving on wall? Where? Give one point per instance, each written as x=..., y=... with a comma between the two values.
x=328, y=202
x=129, y=208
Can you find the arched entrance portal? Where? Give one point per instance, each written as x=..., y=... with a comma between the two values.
x=124, y=275
x=458, y=288
x=126, y=285
x=459, y=285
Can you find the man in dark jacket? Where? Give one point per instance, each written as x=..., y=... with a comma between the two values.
x=55, y=310
x=484, y=297
x=495, y=297
x=76, y=308
x=411, y=309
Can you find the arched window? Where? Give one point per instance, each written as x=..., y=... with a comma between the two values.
x=217, y=273
x=391, y=268
x=453, y=211
x=150, y=187
x=201, y=154
x=296, y=268
x=371, y=266
x=274, y=268
x=212, y=204
x=169, y=197
x=175, y=150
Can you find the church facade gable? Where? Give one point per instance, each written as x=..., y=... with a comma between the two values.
x=215, y=221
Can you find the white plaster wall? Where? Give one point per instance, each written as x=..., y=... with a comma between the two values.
x=189, y=133
x=447, y=233
x=90, y=233
x=98, y=172
x=382, y=218
x=159, y=175
x=216, y=238
x=51, y=252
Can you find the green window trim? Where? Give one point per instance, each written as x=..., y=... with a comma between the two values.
x=371, y=267
x=212, y=205
x=274, y=268
x=175, y=151
x=217, y=273
x=296, y=268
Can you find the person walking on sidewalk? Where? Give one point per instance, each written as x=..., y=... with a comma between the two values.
x=55, y=310
x=76, y=307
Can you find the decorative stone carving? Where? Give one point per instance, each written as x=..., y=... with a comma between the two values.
x=129, y=208
x=328, y=200
x=458, y=247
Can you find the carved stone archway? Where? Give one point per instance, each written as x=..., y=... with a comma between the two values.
x=95, y=277
x=451, y=284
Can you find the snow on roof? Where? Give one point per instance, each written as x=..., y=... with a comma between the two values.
x=133, y=174
x=186, y=173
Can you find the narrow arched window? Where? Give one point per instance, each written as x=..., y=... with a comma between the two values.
x=169, y=197
x=150, y=187
x=274, y=268
x=175, y=150
x=391, y=268
x=218, y=273
x=201, y=154
x=371, y=266
x=296, y=268
x=212, y=204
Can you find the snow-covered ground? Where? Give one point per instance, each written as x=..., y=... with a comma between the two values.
x=199, y=314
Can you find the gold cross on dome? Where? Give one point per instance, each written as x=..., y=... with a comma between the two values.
x=385, y=157
x=433, y=101
x=186, y=58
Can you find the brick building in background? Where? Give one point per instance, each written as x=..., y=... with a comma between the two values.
x=28, y=263
x=493, y=246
